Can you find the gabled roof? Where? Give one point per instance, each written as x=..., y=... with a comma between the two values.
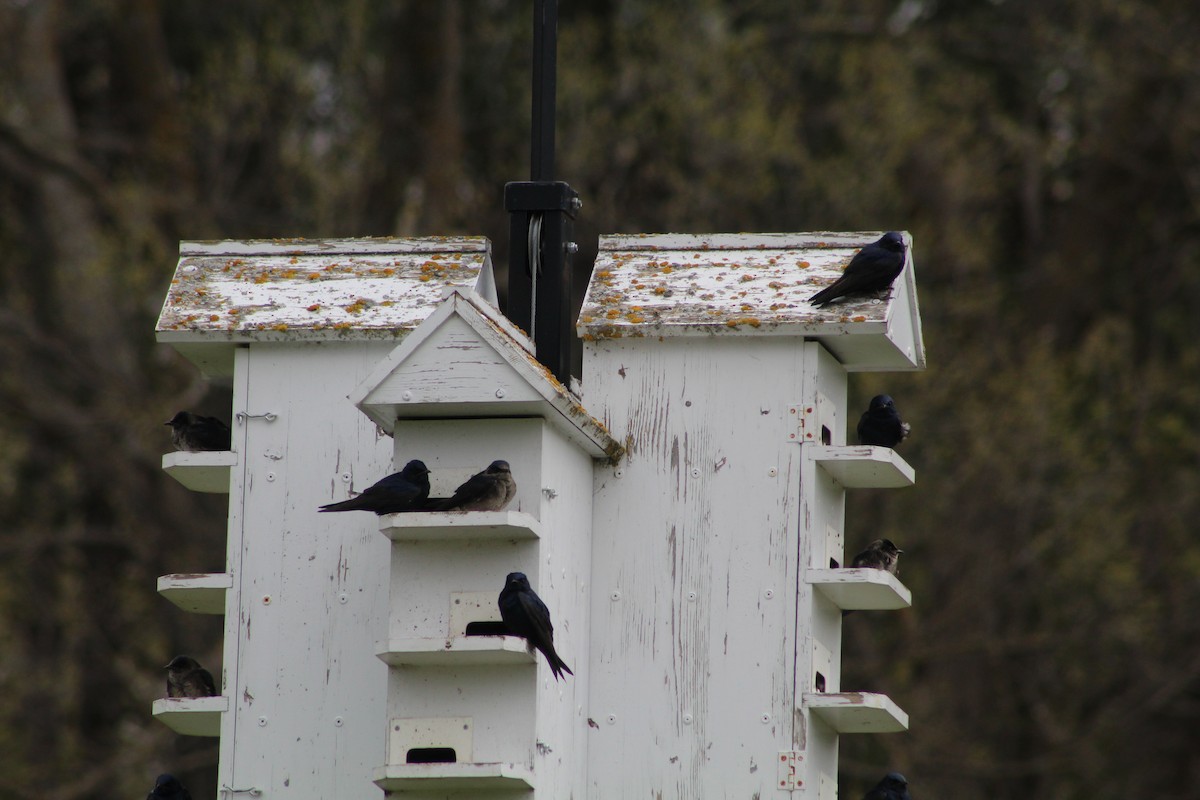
x=751, y=284
x=230, y=292
x=467, y=360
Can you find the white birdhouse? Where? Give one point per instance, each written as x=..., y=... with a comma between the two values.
x=718, y=560
x=688, y=538
x=298, y=325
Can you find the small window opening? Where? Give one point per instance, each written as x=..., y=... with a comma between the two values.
x=491, y=628
x=432, y=755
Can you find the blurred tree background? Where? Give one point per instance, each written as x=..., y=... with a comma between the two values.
x=1045, y=154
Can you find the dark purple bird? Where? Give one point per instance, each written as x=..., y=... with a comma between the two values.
x=880, y=554
x=871, y=270
x=892, y=787
x=406, y=490
x=880, y=424
x=490, y=490
x=168, y=787
x=193, y=433
x=525, y=615
x=186, y=678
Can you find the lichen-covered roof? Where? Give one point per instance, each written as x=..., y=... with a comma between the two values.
x=277, y=289
x=750, y=284
x=482, y=367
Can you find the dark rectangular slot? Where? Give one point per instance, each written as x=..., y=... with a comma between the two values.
x=833, y=564
x=432, y=755
x=826, y=436
x=820, y=682
x=486, y=629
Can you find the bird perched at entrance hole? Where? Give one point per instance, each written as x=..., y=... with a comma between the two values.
x=525, y=615
x=880, y=424
x=880, y=554
x=490, y=490
x=168, y=787
x=892, y=787
x=871, y=270
x=186, y=678
x=406, y=490
x=194, y=433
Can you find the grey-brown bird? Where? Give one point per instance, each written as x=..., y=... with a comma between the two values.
x=525, y=615
x=490, y=490
x=871, y=270
x=186, y=678
x=880, y=554
x=194, y=433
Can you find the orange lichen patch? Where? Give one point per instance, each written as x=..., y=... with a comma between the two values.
x=341, y=326
x=668, y=269
x=775, y=285
x=281, y=327
x=233, y=312
x=859, y=318
x=587, y=337
x=293, y=260
x=604, y=274
x=804, y=264
x=753, y=322
x=746, y=278
x=314, y=276
x=315, y=307
x=387, y=303
x=358, y=306
x=613, y=313
x=263, y=278
x=211, y=318
x=436, y=257
x=634, y=317
x=747, y=307
x=425, y=278
x=586, y=318
x=660, y=290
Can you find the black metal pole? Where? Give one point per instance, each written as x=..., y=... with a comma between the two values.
x=545, y=72
x=541, y=237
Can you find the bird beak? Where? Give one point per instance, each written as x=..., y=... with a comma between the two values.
x=166, y=423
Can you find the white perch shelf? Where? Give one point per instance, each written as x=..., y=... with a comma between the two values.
x=495, y=777
x=191, y=716
x=459, y=525
x=198, y=593
x=865, y=467
x=857, y=712
x=860, y=589
x=201, y=472
x=459, y=651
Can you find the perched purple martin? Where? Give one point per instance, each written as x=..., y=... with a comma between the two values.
x=186, y=678
x=490, y=490
x=406, y=490
x=525, y=615
x=880, y=554
x=871, y=270
x=892, y=787
x=168, y=787
x=193, y=433
x=880, y=424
